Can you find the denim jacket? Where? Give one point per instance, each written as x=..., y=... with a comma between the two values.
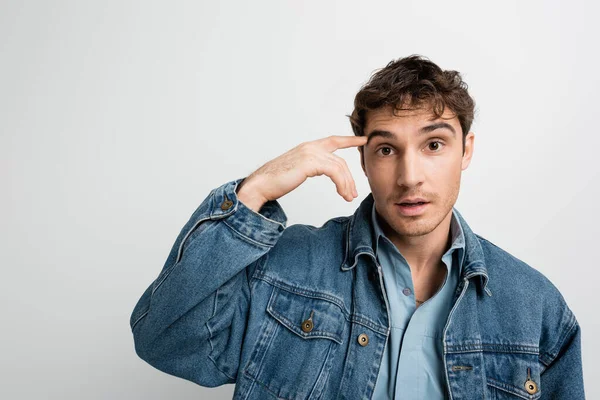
x=300, y=312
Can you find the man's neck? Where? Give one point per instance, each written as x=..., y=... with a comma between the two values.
x=423, y=253
x=424, y=257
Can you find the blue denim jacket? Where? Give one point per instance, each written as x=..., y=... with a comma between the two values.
x=300, y=312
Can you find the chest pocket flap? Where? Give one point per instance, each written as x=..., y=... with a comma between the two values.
x=294, y=311
x=517, y=374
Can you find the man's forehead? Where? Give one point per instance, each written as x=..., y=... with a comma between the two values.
x=413, y=116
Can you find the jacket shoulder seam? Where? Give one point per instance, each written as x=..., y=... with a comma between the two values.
x=548, y=357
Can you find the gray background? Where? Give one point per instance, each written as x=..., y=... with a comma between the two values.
x=117, y=118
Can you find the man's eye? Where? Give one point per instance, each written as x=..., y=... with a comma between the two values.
x=436, y=148
x=385, y=150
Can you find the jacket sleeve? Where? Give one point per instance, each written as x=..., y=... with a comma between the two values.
x=562, y=374
x=190, y=322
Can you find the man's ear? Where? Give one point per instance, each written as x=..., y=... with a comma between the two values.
x=469, y=146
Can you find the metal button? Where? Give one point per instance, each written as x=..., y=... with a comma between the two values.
x=530, y=386
x=307, y=325
x=363, y=339
x=406, y=291
x=226, y=205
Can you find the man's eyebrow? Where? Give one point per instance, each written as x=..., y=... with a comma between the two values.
x=423, y=130
x=383, y=134
x=437, y=125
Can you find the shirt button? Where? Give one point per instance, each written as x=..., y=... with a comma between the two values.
x=226, y=205
x=406, y=291
x=363, y=339
x=530, y=386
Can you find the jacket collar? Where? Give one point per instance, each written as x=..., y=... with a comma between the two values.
x=359, y=241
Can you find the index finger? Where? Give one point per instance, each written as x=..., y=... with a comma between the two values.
x=335, y=142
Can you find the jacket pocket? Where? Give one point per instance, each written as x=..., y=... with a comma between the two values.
x=294, y=351
x=512, y=375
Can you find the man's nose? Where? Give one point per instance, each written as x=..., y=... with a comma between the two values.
x=410, y=170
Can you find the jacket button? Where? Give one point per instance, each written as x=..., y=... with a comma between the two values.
x=226, y=205
x=307, y=325
x=363, y=339
x=530, y=386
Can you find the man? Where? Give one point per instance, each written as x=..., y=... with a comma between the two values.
x=400, y=300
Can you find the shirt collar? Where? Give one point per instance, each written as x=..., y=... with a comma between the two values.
x=359, y=241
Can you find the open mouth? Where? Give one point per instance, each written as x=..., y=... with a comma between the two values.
x=412, y=209
x=412, y=204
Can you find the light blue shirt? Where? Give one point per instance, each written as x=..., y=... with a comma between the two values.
x=413, y=365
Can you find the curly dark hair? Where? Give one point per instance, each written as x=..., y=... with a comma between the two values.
x=414, y=82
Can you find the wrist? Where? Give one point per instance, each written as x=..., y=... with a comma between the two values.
x=249, y=196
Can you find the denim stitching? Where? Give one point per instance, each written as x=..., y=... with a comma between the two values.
x=492, y=348
x=246, y=238
x=314, y=333
x=559, y=344
x=319, y=295
x=162, y=277
x=265, y=387
x=510, y=389
x=189, y=232
x=138, y=320
x=301, y=291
